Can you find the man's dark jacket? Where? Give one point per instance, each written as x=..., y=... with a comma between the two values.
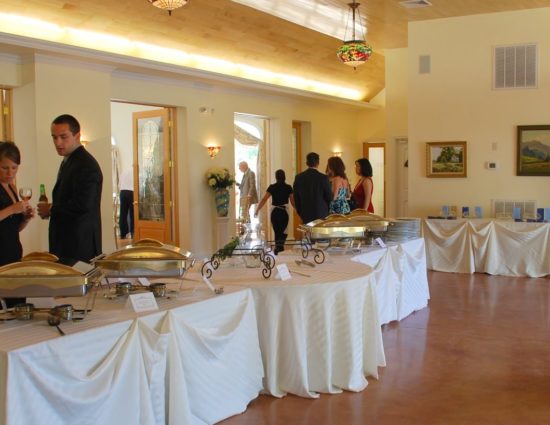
x=312, y=195
x=75, y=220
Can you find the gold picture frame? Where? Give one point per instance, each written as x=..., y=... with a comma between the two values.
x=446, y=159
x=533, y=150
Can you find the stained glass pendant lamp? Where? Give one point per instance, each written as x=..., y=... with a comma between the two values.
x=355, y=51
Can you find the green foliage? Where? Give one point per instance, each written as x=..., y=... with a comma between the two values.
x=447, y=167
x=535, y=166
x=450, y=154
x=228, y=249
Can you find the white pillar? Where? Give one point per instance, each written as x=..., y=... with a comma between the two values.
x=222, y=232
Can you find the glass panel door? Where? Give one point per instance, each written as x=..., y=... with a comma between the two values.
x=152, y=208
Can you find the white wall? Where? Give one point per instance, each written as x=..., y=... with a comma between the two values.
x=46, y=87
x=396, y=114
x=389, y=122
x=333, y=126
x=456, y=102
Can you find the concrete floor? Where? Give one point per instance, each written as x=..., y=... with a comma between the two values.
x=479, y=354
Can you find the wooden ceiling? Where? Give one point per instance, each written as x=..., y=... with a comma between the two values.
x=238, y=33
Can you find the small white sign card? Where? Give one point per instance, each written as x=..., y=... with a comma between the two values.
x=380, y=242
x=283, y=272
x=82, y=267
x=144, y=281
x=142, y=302
x=208, y=283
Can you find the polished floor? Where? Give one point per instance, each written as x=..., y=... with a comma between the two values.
x=478, y=355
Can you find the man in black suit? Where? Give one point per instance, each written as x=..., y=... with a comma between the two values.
x=75, y=210
x=312, y=193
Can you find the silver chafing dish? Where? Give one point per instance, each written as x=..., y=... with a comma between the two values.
x=357, y=225
x=39, y=275
x=145, y=258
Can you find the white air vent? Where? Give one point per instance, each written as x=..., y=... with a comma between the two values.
x=515, y=66
x=414, y=4
x=505, y=209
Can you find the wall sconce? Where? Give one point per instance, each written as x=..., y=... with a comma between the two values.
x=338, y=154
x=84, y=140
x=213, y=150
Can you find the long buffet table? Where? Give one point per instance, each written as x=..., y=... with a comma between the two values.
x=496, y=247
x=201, y=358
x=196, y=361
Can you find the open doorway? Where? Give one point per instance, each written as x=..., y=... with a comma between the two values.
x=142, y=138
x=250, y=147
x=376, y=154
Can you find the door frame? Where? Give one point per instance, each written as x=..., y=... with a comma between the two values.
x=6, y=95
x=296, y=220
x=366, y=146
x=171, y=222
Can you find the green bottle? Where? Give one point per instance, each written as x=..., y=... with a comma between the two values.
x=43, y=198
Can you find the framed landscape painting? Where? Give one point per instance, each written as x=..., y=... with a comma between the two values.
x=533, y=150
x=446, y=159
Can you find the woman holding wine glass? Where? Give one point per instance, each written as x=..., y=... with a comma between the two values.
x=14, y=213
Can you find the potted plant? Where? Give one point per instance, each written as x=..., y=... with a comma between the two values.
x=220, y=180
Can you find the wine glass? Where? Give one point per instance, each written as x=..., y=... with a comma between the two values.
x=25, y=193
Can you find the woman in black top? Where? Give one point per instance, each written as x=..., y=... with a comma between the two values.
x=281, y=194
x=14, y=214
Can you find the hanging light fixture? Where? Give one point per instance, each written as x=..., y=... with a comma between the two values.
x=354, y=51
x=168, y=5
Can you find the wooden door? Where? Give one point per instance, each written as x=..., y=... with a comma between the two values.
x=152, y=176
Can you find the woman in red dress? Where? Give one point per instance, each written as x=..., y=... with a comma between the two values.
x=362, y=193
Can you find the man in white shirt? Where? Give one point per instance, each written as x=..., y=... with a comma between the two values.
x=248, y=192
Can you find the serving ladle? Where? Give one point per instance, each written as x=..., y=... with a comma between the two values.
x=55, y=320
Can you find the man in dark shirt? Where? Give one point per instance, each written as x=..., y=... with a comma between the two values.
x=312, y=193
x=75, y=210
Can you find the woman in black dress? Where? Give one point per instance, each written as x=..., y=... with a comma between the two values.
x=14, y=214
x=282, y=194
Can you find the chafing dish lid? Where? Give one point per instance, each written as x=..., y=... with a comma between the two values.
x=38, y=264
x=334, y=224
x=358, y=218
x=148, y=249
x=352, y=225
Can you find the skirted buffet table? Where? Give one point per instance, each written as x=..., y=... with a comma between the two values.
x=196, y=361
x=203, y=357
x=498, y=247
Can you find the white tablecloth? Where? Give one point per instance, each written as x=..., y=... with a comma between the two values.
x=321, y=332
x=496, y=247
x=188, y=364
x=199, y=359
x=400, y=277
